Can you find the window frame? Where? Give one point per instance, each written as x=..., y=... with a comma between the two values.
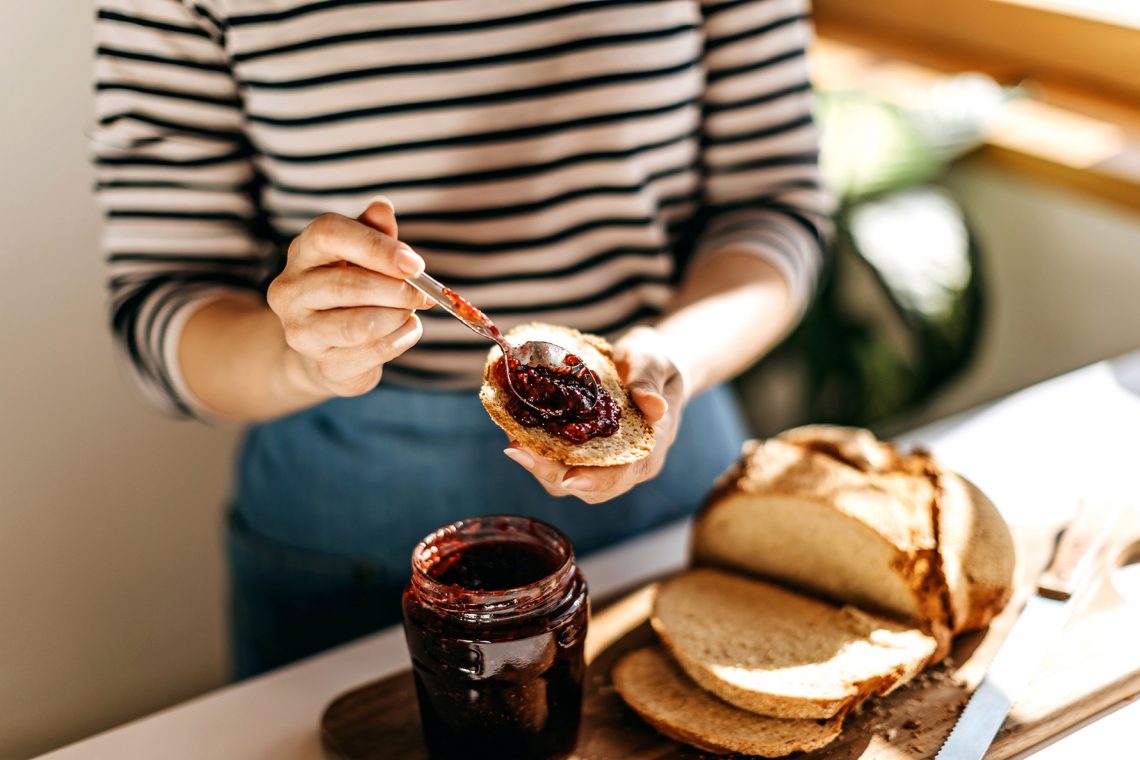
x=1012, y=39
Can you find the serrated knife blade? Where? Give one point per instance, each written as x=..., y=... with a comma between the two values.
x=1036, y=629
x=1007, y=677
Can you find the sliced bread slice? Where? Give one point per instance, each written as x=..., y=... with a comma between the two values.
x=778, y=653
x=655, y=688
x=634, y=438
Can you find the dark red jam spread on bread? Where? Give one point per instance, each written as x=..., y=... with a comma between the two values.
x=575, y=415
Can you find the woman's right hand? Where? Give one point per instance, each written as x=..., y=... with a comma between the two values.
x=343, y=302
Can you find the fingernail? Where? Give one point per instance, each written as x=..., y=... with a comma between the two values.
x=409, y=262
x=384, y=199
x=522, y=458
x=428, y=303
x=579, y=483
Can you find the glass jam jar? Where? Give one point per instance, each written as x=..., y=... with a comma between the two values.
x=495, y=618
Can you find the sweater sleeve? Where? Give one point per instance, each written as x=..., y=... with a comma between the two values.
x=761, y=182
x=176, y=182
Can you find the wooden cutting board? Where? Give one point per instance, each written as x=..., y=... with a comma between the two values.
x=1095, y=664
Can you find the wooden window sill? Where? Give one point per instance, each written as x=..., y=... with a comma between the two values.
x=1063, y=132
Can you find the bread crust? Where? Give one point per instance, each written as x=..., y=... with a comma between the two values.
x=767, y=737
x=978, y=554
x=634, y=439
x=804, y=708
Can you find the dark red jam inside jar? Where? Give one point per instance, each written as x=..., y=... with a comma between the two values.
x=495, y=618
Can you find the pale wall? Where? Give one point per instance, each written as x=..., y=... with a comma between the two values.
x=111, y=585
x=110, y=581
x=1064, y=276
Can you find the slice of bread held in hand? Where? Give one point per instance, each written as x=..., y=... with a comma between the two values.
x=659, y=692
x=634, y=438
x=774, y=652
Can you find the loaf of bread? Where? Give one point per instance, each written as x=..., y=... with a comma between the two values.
x=830, y=567
x=659, y=692
x=779, y=653
x=634, y=438
x=834, y=511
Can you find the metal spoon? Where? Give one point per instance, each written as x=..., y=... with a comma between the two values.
x=533, y=353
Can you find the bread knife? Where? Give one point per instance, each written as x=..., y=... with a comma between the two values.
x=1073, y=565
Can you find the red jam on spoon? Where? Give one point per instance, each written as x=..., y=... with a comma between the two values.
x=470, y=312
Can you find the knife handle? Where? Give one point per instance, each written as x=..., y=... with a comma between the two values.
x=1079, y=550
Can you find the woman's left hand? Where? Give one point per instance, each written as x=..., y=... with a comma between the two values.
x=657, y=388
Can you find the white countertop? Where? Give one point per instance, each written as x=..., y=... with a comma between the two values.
x=1034, y=453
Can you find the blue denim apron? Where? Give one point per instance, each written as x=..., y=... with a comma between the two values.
x=330, y=502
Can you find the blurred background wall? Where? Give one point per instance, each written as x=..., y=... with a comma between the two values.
x=110, y=566
x=111, y=584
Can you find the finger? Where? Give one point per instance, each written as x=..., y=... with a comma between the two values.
x=548, y=472
x=601, y=483
x=642, y=359
x=358, y=385
x=331, y=238
x=344, y=328
x=343, y=287
x=404, y=337
x=344, y=363
x=381, y=215
x=645, y=375
x=527, y=461
x=653, y=405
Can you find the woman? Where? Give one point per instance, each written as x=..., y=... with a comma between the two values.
x=644, y=169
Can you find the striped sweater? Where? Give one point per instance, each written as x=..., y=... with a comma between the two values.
x=560, y=160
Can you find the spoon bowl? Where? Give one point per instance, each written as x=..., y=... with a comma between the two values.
x=540, y=353
x=532, y=353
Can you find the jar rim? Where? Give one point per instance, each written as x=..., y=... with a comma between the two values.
x=487, y=605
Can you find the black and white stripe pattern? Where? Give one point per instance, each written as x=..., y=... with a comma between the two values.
x=556, y=159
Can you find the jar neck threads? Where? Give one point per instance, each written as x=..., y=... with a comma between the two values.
x=444, y=587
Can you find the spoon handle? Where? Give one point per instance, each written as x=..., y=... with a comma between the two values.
x=446, y=298
x=531, y=353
